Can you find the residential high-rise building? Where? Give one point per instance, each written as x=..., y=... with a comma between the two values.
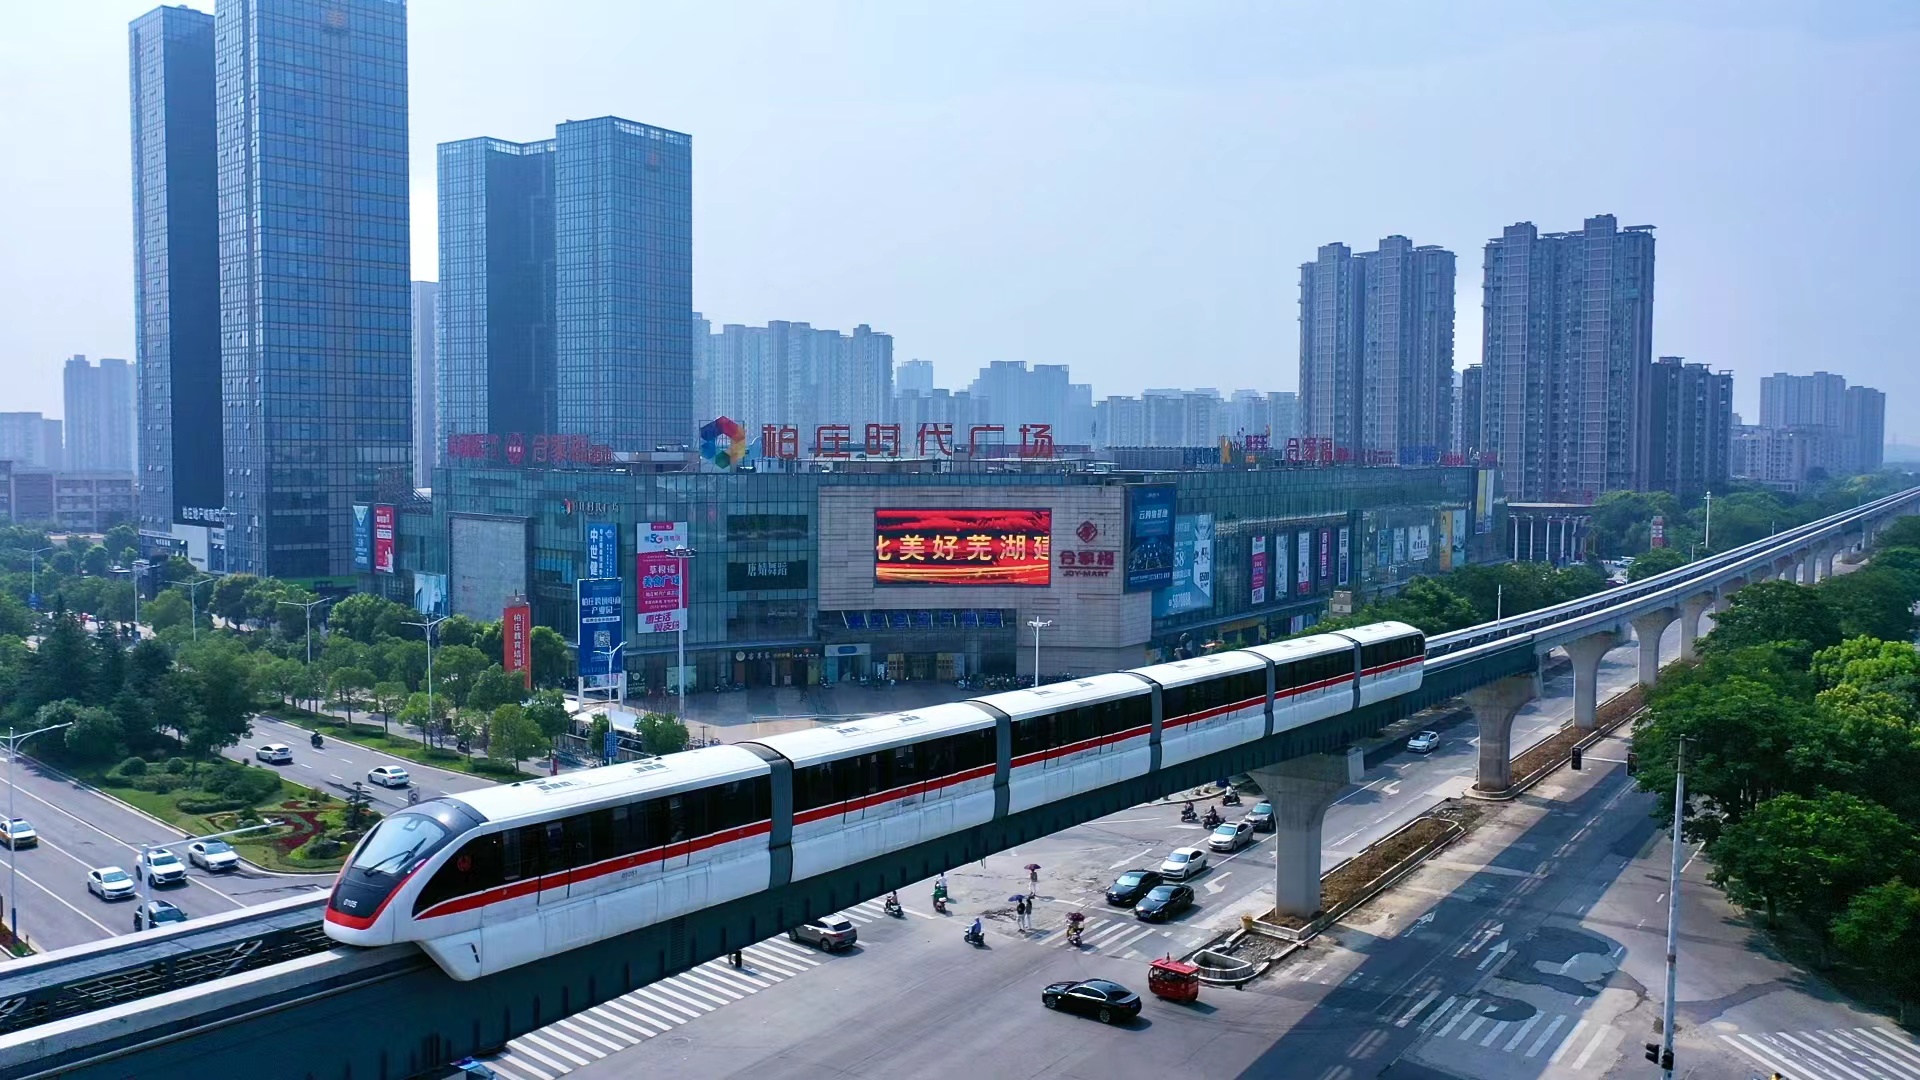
x=1863, y=427
x=1816, y=400
x=31, y=440
x=1850, y=419
x=426, y=387
x=1467, y=439
x=1283, y=416
x=1332, y=341
x=788, y=373
x=914, y=376
x=100, y=416
x=1567, y=344
x=315, y=279
x=1690, y=420
x=176, y=279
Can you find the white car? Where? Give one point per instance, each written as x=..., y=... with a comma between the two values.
x=1231, y=836
x=110, y=883
x=388, y=776
x=1184, y=863
x=1424, y=742
x=18, y=833
x=275, y=754
x=163, y=867
x=213, y=856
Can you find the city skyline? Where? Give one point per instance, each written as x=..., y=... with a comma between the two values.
x=762, y=252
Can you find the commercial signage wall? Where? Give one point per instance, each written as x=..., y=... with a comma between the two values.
x=1483, y=500
x=1257, y=571
x=486, y=564
x=1326, y=557
x=767, y=574
x=603, y=549
x=602, y=629
x=658, y=590
x=1303, y=565
x=1345, y=544
x=383, y=530
x=362, y=537
x=1149, y=541
x=963, y=547
x=516, y=640
x=1399, y=546
x=1192, y=587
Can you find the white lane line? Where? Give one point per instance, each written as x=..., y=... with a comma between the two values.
x=1520, y=1035
x=1545, y=1035
x=1131, y=858
x=110, y=932
x=1495, y=1033
x=303, y=765
x=1561, y=1050
x=1465, y=1011
x=1586, y=1055
x=1408, y=1016
x=1434, y=1016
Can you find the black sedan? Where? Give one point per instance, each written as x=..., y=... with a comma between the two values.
x=1163, y=902
x=1107, y=1002
x=1128, y=888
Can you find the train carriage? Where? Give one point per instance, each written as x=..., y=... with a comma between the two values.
x=1209, y=703
x=885, y=783
x=1313, y=678
x=1077, y=736
x=1391, y=660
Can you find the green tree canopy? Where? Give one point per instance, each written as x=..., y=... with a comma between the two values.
x=1880, y=931
x=1622, y=521
x=388, y=698
x=1873, y=602
x=493, y=688
x=513, y=737
x=1740, y=731
x=1655, y=561
x=166, y=611
x=349, y=688
x=218, y=674
x=1773, y=612
x=457, y=630
x=367, y=618
x=552, y=658
x=1811, y=856
x=96, y=734
x=457, y=668
x=1887, y=667
x=1904, y=532
x=661, y=733
x=548, y=711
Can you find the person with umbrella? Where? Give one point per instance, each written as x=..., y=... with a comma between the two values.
x=1022, y=907
x=1074, y=921
x=1033, y=874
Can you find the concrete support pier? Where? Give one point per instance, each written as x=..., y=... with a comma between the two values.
x=1650, y=627
x=1300, y=790
x=1494, y=706
x=1586, y=653
x=1690, y=611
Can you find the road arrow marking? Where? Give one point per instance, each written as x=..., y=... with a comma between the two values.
x=1420, y=922
x=1215, y=884
x=1391, y=789
x=1492, y=955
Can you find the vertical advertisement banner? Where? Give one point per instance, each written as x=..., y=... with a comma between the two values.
x=362, y=537
x=659, y=590
x=1446, y=541
x=1399, y=546
x=1149, y=540
x=1303, y=564
x=516, y=640
x=383, y=528
x=1483, y=500
x=1326, y=557
x=1419, y=543
x=1257, y=570
x=1459, y=537
x=1345, y=565
x=1192, y=587
x=603, y=549
x=602, y=631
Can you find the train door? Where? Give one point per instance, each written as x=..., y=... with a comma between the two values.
x=556, y=860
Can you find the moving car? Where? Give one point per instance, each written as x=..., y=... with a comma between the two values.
x=1231, y=836
x=110, y=883
x=17, y=833
x=213, y=856
x=1183, y=863
x=275, y=753
x=1128, y=888
x=388, y=776
x=1423, y=742
x=1261, y=817
x=829, y=933
x=156, y=913
x=1163, y=903
x=1105, y=1001
x=163, y=867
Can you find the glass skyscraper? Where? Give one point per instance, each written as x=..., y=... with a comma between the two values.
x=176, y=277
x=315, y=291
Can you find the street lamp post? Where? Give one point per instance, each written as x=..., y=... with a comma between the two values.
x=308, y=608
x=681, y=556
x=1673, y=910
x=426, y=627
x=1708, y=542
x=140, y=866
x=193, y=597
x=13, y=892
x=619, y=686
x=140, y=567
x=1038, y=625
x=33, y=590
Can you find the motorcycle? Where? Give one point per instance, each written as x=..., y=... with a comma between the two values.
x=317, y=741
x=1231, y=798
x=975, y=935
x=893, y=907
x=1187, y=816
x=1073, y=935
x=1212, y=820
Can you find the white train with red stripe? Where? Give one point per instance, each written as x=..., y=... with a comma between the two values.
x=490, y=879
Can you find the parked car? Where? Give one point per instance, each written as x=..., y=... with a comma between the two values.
x=1261, y=817
x=17, y=833
x=388, y=776
x=110, y=883
x=213, y=856
x=1183, y=863
x=1128, y=888
x=1163, y=903
x=275, y=753
x=1231, y=836
x=831, y=933
x=155, y=913
x=1105, y=1001
x=163, y=867
x=1423, y=742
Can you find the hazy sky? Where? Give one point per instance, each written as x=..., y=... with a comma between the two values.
x=1127, y=188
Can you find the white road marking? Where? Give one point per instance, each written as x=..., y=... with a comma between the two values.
x=1882, y=1037
x=1518, y=1036
x=1143, y=851
x=64, y=903
x=1561, y=1050
x=1466, y=1033
x=1545, y=1035
x=1436, y=1014
x=1586, y=1055
x=1495, y=1033
x=1408, y=1016
x=1465, y=1011
x=1821, y=1055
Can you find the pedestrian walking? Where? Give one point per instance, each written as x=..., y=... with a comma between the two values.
x=1024, y=909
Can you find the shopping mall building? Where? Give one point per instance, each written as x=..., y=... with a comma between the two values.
x=915, y=570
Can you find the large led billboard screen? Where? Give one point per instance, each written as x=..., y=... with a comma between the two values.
x=963, y=547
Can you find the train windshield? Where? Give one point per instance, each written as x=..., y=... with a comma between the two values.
x=397, y=844
x=393, y=850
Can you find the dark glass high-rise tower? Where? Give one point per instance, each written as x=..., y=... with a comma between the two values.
x=176, y=278
x=315, y=282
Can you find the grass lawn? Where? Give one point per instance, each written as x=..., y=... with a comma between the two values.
x=302, y=809
x=371, y=735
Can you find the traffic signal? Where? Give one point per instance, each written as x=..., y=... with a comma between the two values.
x=1664, y=1060
x=1576, y=757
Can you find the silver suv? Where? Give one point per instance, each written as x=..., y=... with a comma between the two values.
x=831, y=933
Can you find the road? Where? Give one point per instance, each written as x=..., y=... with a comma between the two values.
x=335, y=766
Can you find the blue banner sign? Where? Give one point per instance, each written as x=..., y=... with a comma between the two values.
x=603, y=549
x=1149, y=539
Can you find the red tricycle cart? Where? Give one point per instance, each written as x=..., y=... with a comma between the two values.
x=1174, y=980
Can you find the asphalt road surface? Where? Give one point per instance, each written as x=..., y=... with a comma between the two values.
x=334, y=767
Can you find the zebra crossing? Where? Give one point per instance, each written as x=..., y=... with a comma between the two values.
x=1122, y=938
x=1861, y=1053
x=586, y=1037
x=1544, y=1038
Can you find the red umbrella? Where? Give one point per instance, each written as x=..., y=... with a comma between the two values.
x=1031, y=866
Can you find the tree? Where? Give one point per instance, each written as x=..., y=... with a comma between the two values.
x=1886, y=667
x=95, y=563
x=661, y=733
x=424, y=712
x=388, y=697
x=221, y=675
x=367, y=618
x=494, y=688
x=466, y=729
x=405, y=661
x=1874, y=602
x=62, y=667
x=1904, y=532
x=1880, y=931
x=16, y=619
x=96, y=734
x=1811, y=856
x=513, y=737
x=548, y=711
x=490, y=640
x=310, y=684
x=121, y=537
x=456, y=668
x=1740, y=731
x=349, y=687
x=1775, y=612
x=1905, y=559
x=1622, y=521
x=597, y=737
x=229, y=597
x=1860, y=741
x=166, y=611
x=1656, y=561
x=457, y=630
x=552, y=658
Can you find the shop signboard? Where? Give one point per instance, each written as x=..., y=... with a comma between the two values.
x=1446, y=541
x=1303, y=564
x=383, y=528
x=1483, y=500
x=602, y=630
x=659, y=593
x=1399, y=546
x=766, y=574
x=1419, y=543
x=603, y=549
x=516, y=640
x=1257, y=570
x=963, y=547
x=1459, y=537
x=1345, y=555
x=1326, y=557
x=1192, y=587
x=1149, y=540
x=362, y=537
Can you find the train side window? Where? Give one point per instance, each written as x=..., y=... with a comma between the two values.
x=604, y=841
x=520, y=853
x=974, y=749
x=677, y=823
x=474, y=868
x=554, y=856
x=1173, y=703
x=906, y=766
x=658, y=822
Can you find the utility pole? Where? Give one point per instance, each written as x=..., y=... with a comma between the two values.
x=1499, y=601
x=426, y=627
x=308, y=608
x=1673, y=910
x=13, y=890
x=193, y=597
x=1038, y=625
x=682, y=556
x=140, y=567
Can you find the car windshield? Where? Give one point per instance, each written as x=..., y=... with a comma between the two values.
x=167, y=913
x=1226, y=830
x=838, y=926
x=1131, y=878
x=1177, y=857
x=159, y=857
x=1264, y=808
x=114, y=877
x=394, y=844
x=1163, y=892
x=216, y=847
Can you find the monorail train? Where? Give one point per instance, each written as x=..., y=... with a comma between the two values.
x=487, y=880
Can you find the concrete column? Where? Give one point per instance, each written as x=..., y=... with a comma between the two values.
x=1648, y=628
x=1824, y=562
x=1690, y=611
x=1300, y=790
x=1494, y=706
x=1586, y=653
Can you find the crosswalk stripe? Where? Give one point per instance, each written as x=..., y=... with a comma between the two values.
x=545, y=1040
x=1495, y=1033
x=1520, y=1035
x=520, y=1070
x=1586, y=1055
x=1561, y=1050
x=1545, y=1035
x=1121, y=941
x=614, y=1028
x=1739, y=1042
x=650, y=1015
x=677, y=1004
x=1853, y=1049
x=518, y=1048
x=1434, y=1016
x=792, y=952
x=616, y=1012
x=1465, y=1011
x=778, y=964
x=705, y=982
x=729, y=973
x=679, y=985
x=1821, y=1056
x=1415, y=1011
x=1466, y=1033
x=1883, y=1037
x=572, y=1034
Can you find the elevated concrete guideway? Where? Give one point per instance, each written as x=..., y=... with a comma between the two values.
x=406, y=1018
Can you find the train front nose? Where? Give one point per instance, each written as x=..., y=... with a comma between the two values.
x=355, y=910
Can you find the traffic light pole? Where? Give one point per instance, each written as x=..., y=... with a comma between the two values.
x=1673, y=911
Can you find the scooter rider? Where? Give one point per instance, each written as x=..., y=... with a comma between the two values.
x=1213, y=818
x=893, y=903
x=1186, y=812
x=317, y=741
